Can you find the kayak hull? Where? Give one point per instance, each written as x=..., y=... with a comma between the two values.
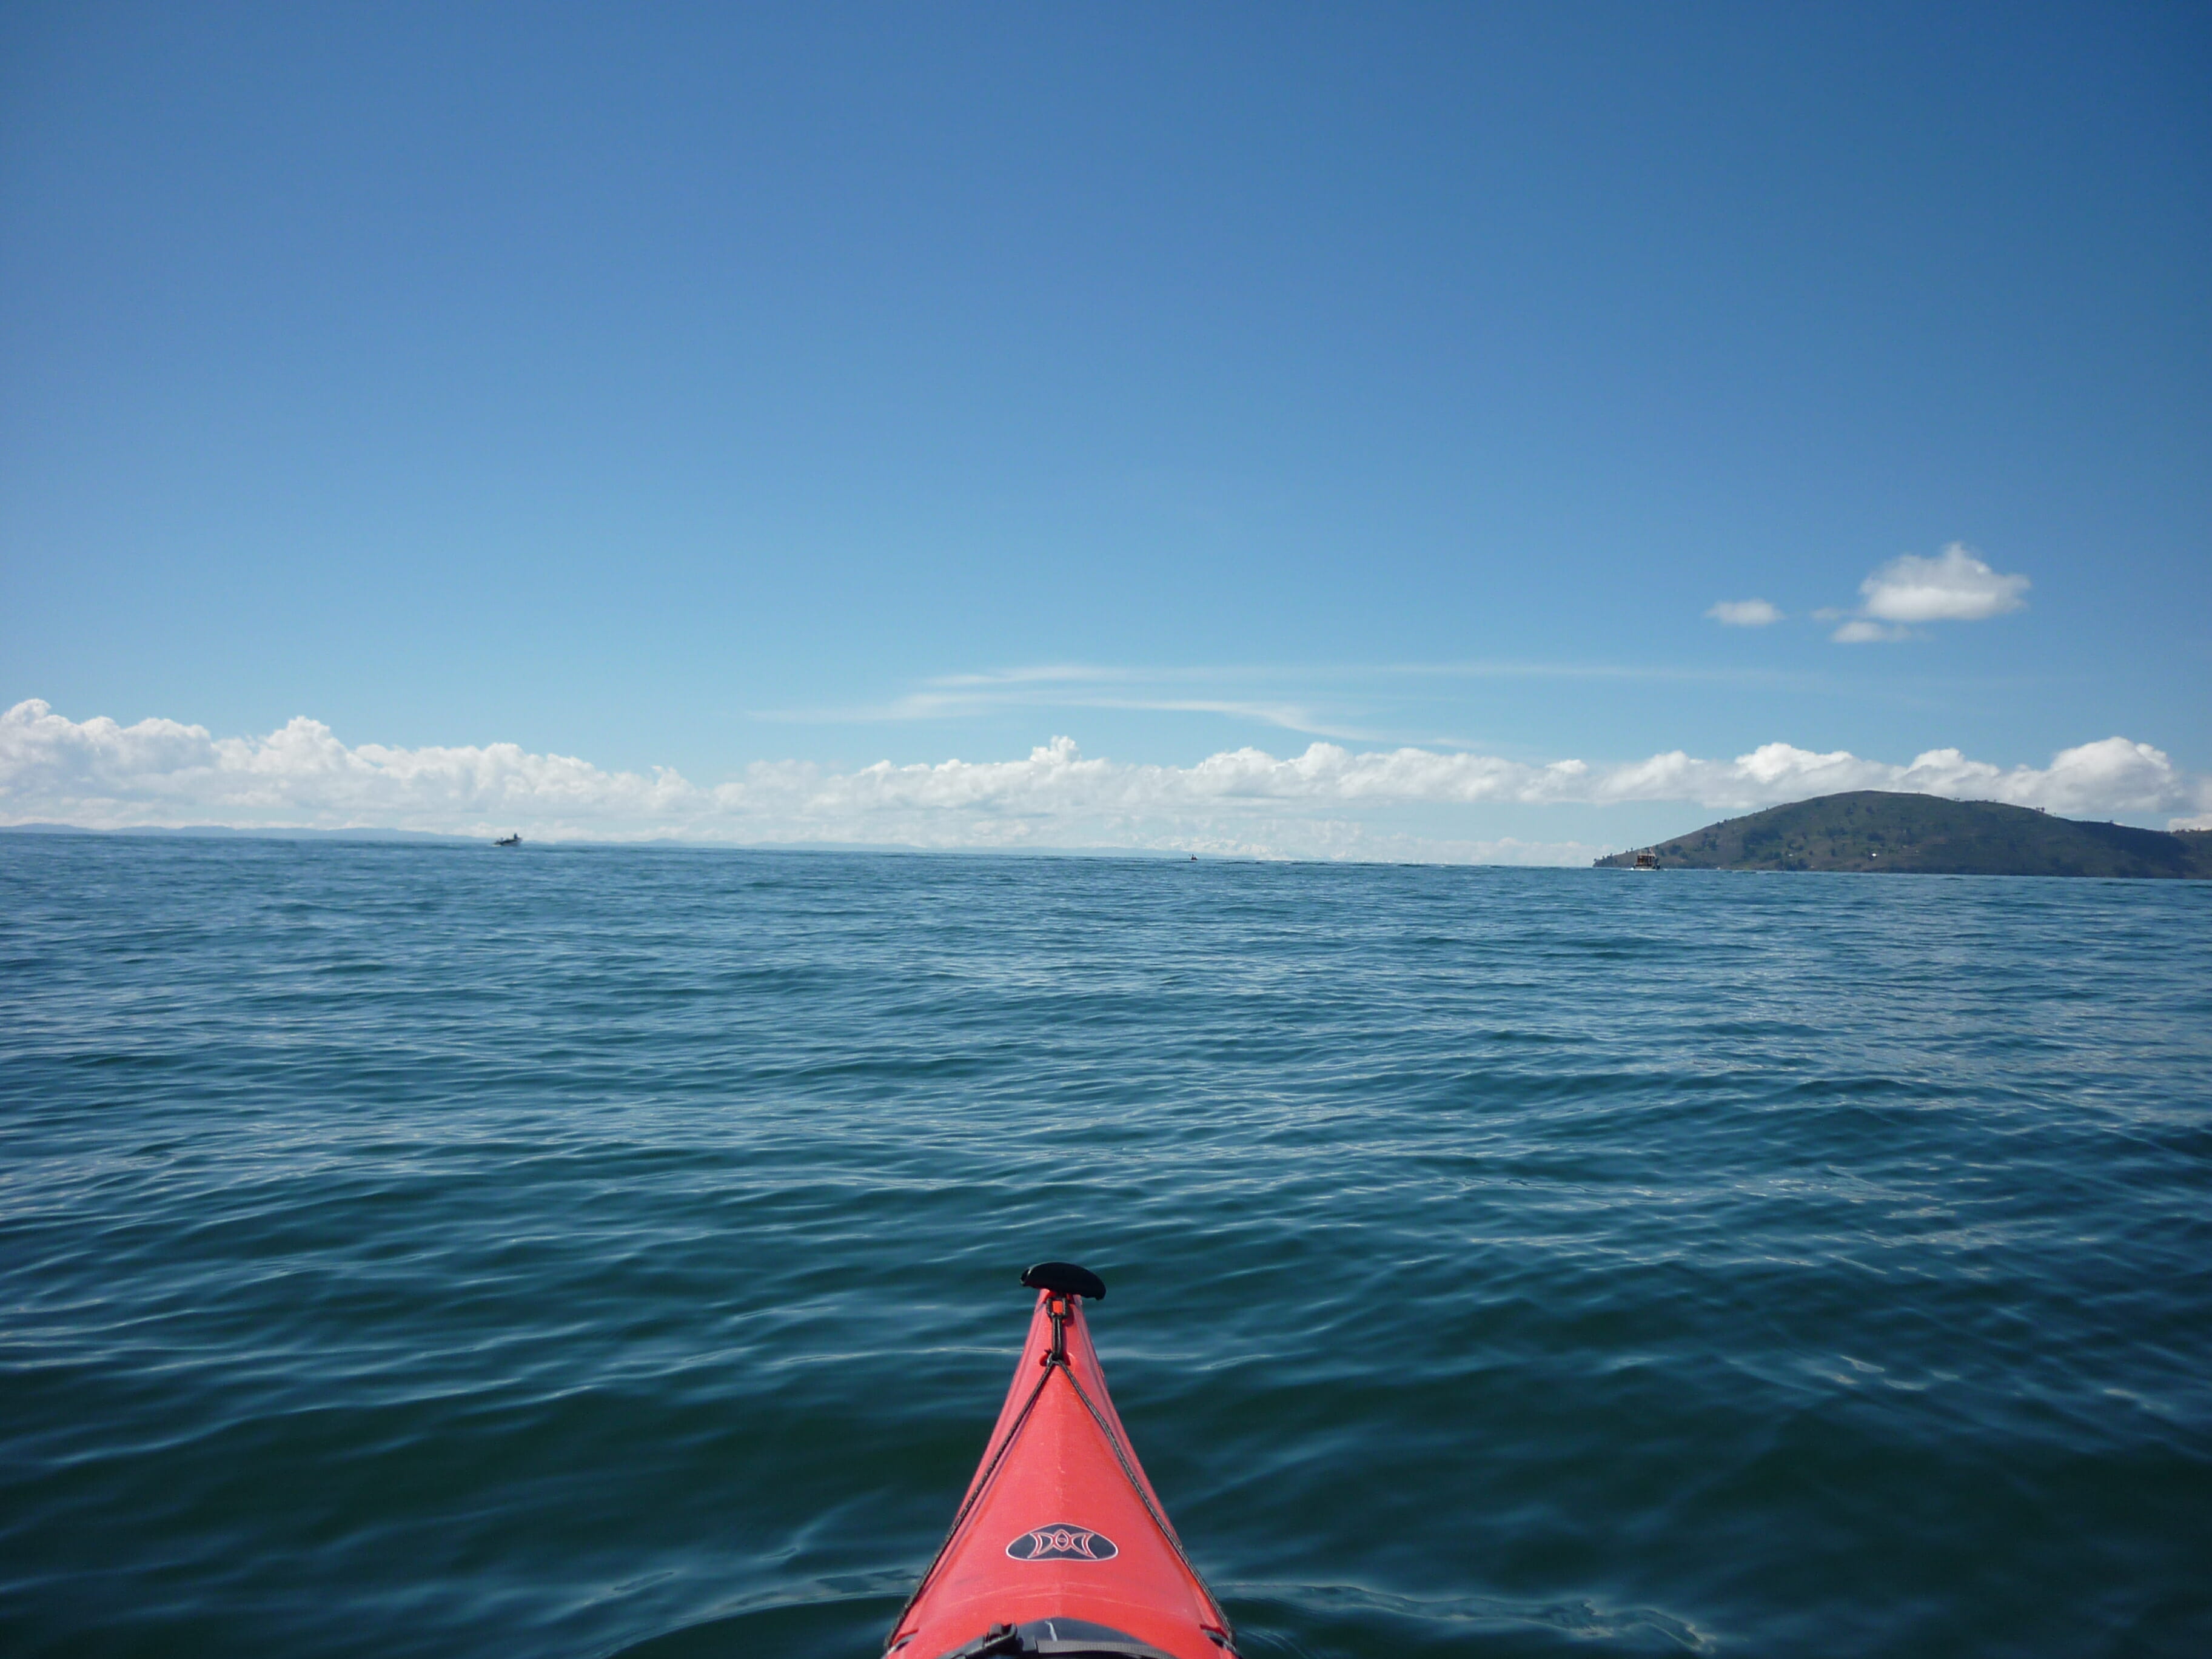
x=1061, y=1545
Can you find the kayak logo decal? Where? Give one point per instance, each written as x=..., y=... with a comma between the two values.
x=1062, y=1542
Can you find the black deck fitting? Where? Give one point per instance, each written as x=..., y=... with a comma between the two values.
x=1068, y=1278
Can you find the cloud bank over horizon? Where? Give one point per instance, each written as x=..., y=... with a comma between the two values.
x=98, y=774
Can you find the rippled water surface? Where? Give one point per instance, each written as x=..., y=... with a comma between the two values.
x=439, y=1251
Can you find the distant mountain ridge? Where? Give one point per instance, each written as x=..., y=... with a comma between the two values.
x=1875, y=830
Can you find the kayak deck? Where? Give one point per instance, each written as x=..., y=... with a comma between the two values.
x=1059, y=1546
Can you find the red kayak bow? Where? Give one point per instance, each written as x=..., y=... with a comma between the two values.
x=1060, y=1545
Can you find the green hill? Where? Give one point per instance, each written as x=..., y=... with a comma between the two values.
x=1874, y=830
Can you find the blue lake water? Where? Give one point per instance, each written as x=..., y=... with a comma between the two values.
x=438, y=1251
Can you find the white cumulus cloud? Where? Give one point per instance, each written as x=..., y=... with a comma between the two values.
x=1745, y=613
x=1319, y=803
x=1953, y=587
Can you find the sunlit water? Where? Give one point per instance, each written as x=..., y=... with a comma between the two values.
x=444, y=1251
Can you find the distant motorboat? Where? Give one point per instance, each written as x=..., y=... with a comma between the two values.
x=1643, y=861
x=509, y=841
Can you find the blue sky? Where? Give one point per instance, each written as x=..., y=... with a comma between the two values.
x=716, y=388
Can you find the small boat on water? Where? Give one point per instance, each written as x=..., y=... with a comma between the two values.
x=1060, y=1545
x=510, y=840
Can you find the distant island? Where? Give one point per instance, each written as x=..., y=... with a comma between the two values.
x=1876, y=830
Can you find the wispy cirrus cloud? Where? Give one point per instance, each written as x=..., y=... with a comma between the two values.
x=963, y=703
x=1322, y=802
x=1347, y=702
x=1081, y=685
